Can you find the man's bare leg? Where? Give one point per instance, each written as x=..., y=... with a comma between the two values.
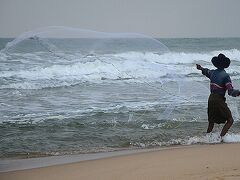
x=226, y=127
x=210, y=127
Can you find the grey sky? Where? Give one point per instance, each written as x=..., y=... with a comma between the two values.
x=158, y=18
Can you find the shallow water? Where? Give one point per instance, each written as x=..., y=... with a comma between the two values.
x=52, y=105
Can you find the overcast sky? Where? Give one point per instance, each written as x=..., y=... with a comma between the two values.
x=158, y=18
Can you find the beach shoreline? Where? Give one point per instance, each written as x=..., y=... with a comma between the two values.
x=31, y=162
x=216, y=161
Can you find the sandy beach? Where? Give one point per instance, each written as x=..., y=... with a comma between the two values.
x=219, y=161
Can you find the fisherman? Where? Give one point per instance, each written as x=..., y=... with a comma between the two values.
x=220, y=82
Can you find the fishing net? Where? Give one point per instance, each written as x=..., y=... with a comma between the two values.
x=55, y=57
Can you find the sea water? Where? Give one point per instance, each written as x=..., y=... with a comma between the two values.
x=51, y=105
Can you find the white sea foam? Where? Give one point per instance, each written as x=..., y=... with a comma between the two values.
x=232, y=138
x=207, y=139
x=134, y=65
x=212, y=138
x=179, y=57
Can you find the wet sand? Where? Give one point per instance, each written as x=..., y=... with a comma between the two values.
x=218, y=161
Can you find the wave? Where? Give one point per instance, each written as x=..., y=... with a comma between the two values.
x=179, y=57
x=36, y=71
x=212, y=138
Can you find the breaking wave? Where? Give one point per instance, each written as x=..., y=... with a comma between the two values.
x=36, y=71
x=212, y=138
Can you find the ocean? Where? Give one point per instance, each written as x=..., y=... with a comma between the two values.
x=120, y=96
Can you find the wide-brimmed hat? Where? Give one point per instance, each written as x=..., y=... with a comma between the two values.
x=221, y=61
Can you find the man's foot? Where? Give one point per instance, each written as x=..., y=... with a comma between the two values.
x=221, y=139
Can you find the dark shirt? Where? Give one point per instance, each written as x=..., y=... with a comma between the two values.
x=220, y=82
